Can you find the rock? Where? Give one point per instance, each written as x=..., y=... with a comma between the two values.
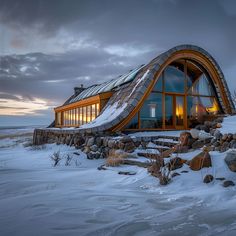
x=198, y=144
x=224, y=147
x=98, y=141
x=102, y=167
x=232, y=144
x=230, y=160
x=217, y=134
x=207, y=179
x=126, y=139
x=94, y=148
x=86, y=149
x=129, y=147
x=229, y=137
x=127, y=173
x=175, y=163
x=224, y=137
x=97, y=155
x=203, y=159
x=228, y=183
x=121, y=145
x=217, y=144
x=234, y=136
x=204, y=128
x=219, y=119
x=90, y=141
x=68, y=138
x=218, y=125
x=181, y=149
x=194, y=133
x=184, y=137
x=111, y=143
x=93, y=155
x=184, y=171
x=175, y=174
x=204, y=135
x=220, y=178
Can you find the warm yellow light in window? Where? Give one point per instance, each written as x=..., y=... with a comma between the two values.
x=213, y=108
x=179, y=111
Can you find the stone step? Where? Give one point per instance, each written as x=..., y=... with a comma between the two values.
x=165, y=143
x=175, y=138
x=159, y=148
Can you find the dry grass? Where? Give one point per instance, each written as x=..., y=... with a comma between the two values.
x=116, y=158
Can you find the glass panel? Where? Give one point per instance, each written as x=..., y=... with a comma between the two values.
x=84, y=115
x=179, y=110
x=201, y=87
x=174, y=80
x=169, y=110
x=58, y=120
x=151, y=112
x=93, y=111
x=198, y=107
x=158, y=85
x=133, y=124
x=77, y=116
x=97, y=109
x=66, y=117
x=80, y=116
x=88, y=113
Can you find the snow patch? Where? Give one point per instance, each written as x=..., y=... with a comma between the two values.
x=110, y=113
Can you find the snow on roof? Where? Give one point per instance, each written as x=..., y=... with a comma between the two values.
x=110, y=113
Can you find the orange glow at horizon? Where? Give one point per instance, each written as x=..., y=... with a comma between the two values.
x=22, y=107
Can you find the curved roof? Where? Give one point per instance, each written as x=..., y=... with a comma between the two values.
x=127, y=99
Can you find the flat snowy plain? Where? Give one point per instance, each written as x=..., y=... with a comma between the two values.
x=39, y=199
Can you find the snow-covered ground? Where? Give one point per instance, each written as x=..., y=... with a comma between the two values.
x=228, y=125
x=39, y=199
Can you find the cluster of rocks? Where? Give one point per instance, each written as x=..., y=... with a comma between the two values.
x=209, y=135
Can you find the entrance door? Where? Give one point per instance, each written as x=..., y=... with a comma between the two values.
x=174, y=112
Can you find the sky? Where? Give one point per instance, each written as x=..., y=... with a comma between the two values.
x=49, y=47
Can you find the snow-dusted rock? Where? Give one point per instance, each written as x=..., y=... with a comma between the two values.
x=194, y=133
x=204, y=135
x=230, y=160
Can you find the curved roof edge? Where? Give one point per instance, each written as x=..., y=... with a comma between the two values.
x=139, y=85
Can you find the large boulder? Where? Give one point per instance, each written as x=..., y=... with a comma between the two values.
x=194, y=133
x=230, y=160
x=203, y=159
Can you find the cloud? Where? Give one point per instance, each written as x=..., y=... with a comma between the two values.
x=59, y=44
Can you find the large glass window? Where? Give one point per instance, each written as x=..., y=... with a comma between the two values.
x=151, y=112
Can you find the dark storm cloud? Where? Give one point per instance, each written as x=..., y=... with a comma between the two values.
x=9, y=96
x=112, y=38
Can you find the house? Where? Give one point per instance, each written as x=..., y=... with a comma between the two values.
x=180, y=88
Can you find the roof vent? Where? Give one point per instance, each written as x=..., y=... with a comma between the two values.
x=78, y=90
